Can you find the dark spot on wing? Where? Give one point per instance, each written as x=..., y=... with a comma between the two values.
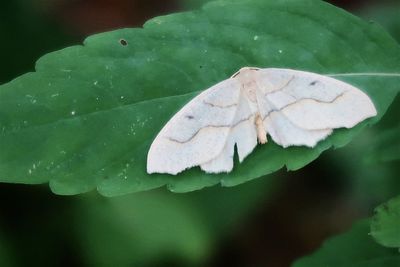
x=313, y=83
x=189, y=117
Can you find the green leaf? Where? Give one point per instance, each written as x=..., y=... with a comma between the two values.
x=385, y=226
x=354, y=248
x=86, y=118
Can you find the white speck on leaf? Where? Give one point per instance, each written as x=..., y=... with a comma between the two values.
x=111, y=82
x=31, y=98
x=255, y=37
x=73, y=112
x=48, y=167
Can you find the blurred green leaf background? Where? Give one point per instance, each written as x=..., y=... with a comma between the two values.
x=266, y=222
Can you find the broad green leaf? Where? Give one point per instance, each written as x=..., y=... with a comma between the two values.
x=354, y=248
x=86, y=118
x=385, y=226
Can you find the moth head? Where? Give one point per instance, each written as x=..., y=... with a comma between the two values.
x=246, y=74
x=245, y=71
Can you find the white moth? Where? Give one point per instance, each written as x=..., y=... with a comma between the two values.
x=295, y=108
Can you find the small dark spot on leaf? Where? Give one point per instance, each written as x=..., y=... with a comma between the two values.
x=200, y=66
x=313, y=83
x=190, y=117
x=123, y=42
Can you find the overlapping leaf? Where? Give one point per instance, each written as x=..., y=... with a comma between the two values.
x=385, y=226
x=86, y=117
x=353, y=248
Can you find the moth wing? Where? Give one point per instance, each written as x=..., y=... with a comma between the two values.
x=242, y=133
x=199, y=133
x=302, y=108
